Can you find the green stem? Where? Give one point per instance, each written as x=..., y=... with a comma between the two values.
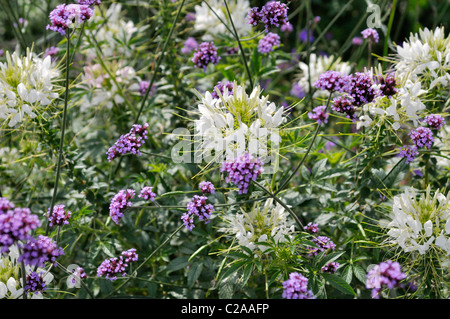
x=152, y=80
x=24, y=276
x=158, y=63
x=388, y=32
x=63, y=130
x=306, y=154
x=290, y=211
x=146, y=260
x=240, y=46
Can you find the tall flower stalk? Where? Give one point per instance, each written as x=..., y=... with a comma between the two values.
x=63, y=131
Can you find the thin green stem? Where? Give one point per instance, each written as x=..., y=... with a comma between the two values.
x=81, y=281
x=388, y=32
x=24, y=276
x=146, y=260
x=158, y=63
x=63, y=130
x=306, y=154
x=241, y=50
x=155, y=72
x=290, y=211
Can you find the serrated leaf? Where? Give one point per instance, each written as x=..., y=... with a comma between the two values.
x=329, y=258
x=248, y=270
x=339, y=283
x=194, y=272
x=347, y=273
x=360, y=273
x=178, y=263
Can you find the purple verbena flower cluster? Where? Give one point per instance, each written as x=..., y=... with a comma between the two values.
x=5, y=205
x=268, y=42
x=189, y=45
x=78, y=273
x=323, y=243
x=221, y=86
x=319, y=114
x=422, y=137
x=410, y=152
x=130, y=255
x=330, y=268
x=435, y=121
x=64, y=16
x=110, y=268
x=296, y=287
x=38, y=251
x=207, y=187
x=199, y=207
x=242, y=171
x=313, y=228
x=119, y=203
x=130, y=142
x=332, y=81
x=205, y=54
x=147, y=193
x=385, y=275
x=16, y=224
x=59, y=217
x=35, y=283
x=143, y=87
x=90, y=3
x=360, y=88
x=343, y=104
x=388, y=85
x=52, y=52
x=371, y=34
x=272, y=14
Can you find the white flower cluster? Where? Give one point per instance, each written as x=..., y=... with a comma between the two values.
x=258, y=224
x=112, y=32
x=102, y=90
x=403, y=107
x=26, y=84
x=442, y=142
x=425, y=57
x=421, y=224
x=319, y=64
x=237, y=122
x=206, y=21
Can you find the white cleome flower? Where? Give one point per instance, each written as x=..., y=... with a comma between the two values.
x=404, y=107
x=420, y=224
x=101, y=90
x=425, y=57
x=237, y=122
x=442, y=142
x=207, y=21
x=258, y=225
x=112, y=32
x=26, y=85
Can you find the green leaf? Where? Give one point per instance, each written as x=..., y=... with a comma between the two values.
x=319, y=167
x=178, y=263
x=194, y=272
x=347, y=273
x=329, y=258
x=360, y=273
x=248, y=270
x=339, y=283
